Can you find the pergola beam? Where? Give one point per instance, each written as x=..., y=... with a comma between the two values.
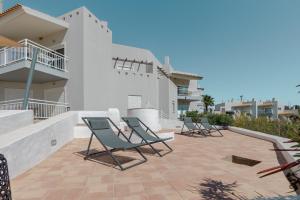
x=131, y=61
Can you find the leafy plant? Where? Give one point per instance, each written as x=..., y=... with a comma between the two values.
x=207, y=101
x=288, y=129
x=193, y=114
x=216, y=119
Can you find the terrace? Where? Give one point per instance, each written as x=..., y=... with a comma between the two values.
x=198, y=168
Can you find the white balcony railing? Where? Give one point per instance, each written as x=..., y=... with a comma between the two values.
x=42, y=109
x=46, y=56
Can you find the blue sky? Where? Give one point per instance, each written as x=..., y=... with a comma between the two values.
x=249, y=47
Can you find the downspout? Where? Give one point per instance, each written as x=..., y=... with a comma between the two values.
x=29, y=79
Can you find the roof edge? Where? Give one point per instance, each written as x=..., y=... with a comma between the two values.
x=11, y=9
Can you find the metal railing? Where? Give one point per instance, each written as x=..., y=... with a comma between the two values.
x=189, y=93
x=183, y=91
x=46, y=56
x=42, y=109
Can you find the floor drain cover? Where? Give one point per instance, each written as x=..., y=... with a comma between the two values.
x=242, y=161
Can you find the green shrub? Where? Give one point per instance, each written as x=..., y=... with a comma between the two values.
x=219, y=119
x=216, y=119
x=281, y=128
x=193, y=114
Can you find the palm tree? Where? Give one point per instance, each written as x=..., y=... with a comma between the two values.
x=207, y=101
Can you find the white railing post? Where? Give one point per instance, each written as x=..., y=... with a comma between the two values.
x=25, y=49
x=4, y=55
x=47, y=57
x=42, y=109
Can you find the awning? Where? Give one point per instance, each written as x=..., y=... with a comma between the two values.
x=21, y=22
x=185, y=75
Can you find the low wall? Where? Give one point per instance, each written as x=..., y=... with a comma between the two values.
x=149, y=116
x=171, y=124
x=82, y=131
x=14, y=119
x=278, y=141
x=26, y=147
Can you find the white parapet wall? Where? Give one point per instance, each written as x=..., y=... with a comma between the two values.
x=11, y=120
x=30, y=143
x=149, y=116
x=171, y=124
x=26, y=147
x=280, y=143
x=82, y=131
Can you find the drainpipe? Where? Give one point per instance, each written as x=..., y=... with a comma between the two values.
x=29, y=79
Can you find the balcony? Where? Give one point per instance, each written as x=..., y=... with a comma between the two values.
x=184, y=94
x=42, y=109
x=15, y=63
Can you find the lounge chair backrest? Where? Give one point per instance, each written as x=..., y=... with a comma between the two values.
x=188, y=122
x=204, y=120
x=132, y=121
x=103, y=131
x=205, y=123
x=99, y=124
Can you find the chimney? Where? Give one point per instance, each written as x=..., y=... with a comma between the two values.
x=1, y=6
x=167, y=60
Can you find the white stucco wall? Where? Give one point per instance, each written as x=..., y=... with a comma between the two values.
x=73, y=40
x=11, y=120
x=26, y=147
x=135, y=82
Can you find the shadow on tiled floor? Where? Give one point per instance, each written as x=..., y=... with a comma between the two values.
x=105, y=159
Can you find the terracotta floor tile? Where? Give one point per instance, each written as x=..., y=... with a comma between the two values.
x=192, y=171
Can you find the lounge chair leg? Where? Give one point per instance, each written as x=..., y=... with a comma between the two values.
x=182, y=129
x=130, y=134
x=155, y=151
x=139, y=151
x=193, y=132
x=219, y=132
x=167, y=145
x=115, y=160
x=88, y=149
x=202, y=132
x=142, y=161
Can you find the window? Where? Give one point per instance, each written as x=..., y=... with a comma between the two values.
x=182, y=90
x=126, y=67
x=134, y=101
x=183, y=107
x=149, y=68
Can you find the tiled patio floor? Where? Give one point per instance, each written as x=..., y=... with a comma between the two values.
x=196, y=169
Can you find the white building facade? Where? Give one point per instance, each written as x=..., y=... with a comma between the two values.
x=80, y=68
x=252, y=108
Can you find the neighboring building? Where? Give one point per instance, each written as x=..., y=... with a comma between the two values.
x=288, y=111
x=189, y=95
x=80, y=68
x=252, y=108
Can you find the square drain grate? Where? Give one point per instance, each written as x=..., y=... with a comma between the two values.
x=242, y=161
